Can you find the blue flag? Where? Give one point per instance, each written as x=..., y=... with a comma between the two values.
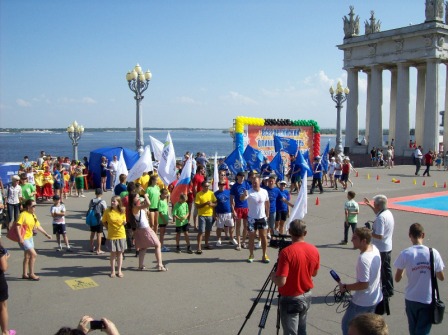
x=325, y=157
x=277, y=165
x=253, y=158
x=306, y=156
x=235, y=162
x=286, y=144
x=304, y=166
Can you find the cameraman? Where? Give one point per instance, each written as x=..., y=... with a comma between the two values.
x=297, y=263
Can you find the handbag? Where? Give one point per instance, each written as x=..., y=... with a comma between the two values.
x=12, y=232
x=437, y=306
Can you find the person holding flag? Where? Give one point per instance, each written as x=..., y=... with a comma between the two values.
x=240, y=208
x=317, y=175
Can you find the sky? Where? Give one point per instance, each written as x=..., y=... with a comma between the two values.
x=211, y=60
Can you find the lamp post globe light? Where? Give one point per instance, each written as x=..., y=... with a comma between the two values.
x=340, y=96
x=138, y=83
x=75, y=131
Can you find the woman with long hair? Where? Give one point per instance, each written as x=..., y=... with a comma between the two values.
x=28, y=219
x=4, y=255
x=144, y=236
x=153, y=192
x=114, y=219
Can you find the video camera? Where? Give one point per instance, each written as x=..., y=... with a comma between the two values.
x=280, y=241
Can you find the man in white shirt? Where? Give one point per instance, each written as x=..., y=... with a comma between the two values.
x=368, y=279
x=415, y=260
x=258, y=203
x=113, y=166
x=13, y=199
x=418, y=159
x=382, y=232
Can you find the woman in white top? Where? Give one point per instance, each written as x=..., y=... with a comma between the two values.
x=144, y=236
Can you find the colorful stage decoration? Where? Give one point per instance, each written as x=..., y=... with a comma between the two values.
x=259, y=134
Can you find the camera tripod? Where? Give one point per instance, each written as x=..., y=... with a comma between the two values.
x=267, y=305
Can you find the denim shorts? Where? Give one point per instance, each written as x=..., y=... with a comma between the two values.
x=27, y=244
x=205, y=223
x=256, y=224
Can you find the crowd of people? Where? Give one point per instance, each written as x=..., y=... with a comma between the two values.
x=253, y=206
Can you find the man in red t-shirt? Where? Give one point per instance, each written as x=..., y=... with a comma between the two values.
x=297, y=264
x=428, y=162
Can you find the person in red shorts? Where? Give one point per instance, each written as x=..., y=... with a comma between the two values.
x=297, y=264
x=240, y=208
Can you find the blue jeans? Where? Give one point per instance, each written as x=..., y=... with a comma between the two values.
x=293, y=312
x=352, y=311
x=419, y=317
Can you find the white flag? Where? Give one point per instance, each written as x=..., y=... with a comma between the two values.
x=143, y=164
x=121, y=169
x=167, y=163
x=157, y=147
x=301, y=206
x=215, y=173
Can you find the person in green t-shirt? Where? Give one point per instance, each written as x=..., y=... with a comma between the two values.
x=180, y=215
x=351, y=215
x=28, y=189
x=153, y=192
x=163, y=217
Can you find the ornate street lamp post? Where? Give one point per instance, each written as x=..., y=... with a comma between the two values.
x=340, y=97
x=138, y=83
x=75, y=131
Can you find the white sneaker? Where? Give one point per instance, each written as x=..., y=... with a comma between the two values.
x=258, y=245
x=234, y=242
x=218, y=243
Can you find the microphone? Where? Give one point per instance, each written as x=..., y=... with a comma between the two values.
x=335, y=276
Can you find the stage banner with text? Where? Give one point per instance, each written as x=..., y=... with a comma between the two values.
x=262, y=138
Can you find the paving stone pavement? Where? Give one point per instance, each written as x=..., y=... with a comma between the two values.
x=210, y=293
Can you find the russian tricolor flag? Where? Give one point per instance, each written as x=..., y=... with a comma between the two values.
x=183, y=184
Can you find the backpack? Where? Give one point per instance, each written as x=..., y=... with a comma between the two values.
x=93, y=215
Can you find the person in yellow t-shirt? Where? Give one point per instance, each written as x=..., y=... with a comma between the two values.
x=29, y=220
x=205, y=202
x=114, y=219
x=143, y=181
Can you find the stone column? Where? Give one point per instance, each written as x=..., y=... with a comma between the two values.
x=376, y=102
x=445, y=118
x=402, y=117
x=369, y=85
x=431, y=124
x=393, y=105
x=420, y=104
x=351, y=116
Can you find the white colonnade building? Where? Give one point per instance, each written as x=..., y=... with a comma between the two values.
x=423, y=46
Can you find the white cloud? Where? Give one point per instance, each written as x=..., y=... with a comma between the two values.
x=23, y=103
x=186, y=101
x=88, y=101
x=237, y=98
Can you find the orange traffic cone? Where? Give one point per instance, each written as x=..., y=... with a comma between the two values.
x=356, y=174
x=424, y=183
x=317, y=201
x=377, y=177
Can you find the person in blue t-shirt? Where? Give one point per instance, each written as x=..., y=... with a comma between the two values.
x=275, y=196
x=317, y=175
x=240, y=208
x=223, y=214
x=122, y=186
x=58, y=184
x=282, y=208
x=266, y=169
